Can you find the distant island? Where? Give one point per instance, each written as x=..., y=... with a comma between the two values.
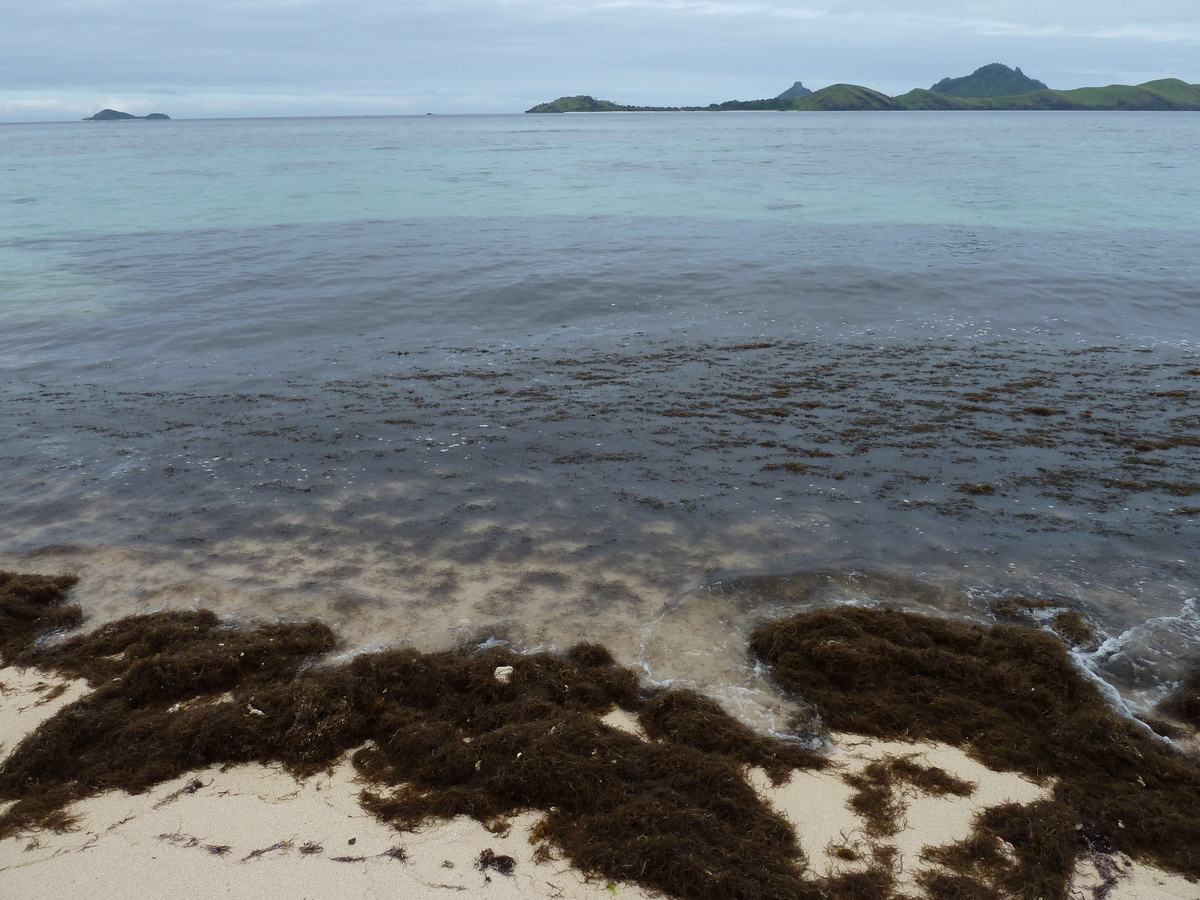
x=115, y=115
x=993, y=86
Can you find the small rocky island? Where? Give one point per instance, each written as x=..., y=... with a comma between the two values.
x=115, y=115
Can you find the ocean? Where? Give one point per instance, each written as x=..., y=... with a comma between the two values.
x=642, y=379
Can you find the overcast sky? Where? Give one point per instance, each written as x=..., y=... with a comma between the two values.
x=64, y=59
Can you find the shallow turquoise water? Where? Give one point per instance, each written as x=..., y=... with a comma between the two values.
x=1040, y=216
x=1017, y=170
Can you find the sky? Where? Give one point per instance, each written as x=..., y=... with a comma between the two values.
x=65, y=59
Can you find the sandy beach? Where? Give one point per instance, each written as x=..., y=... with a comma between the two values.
x=255, y=831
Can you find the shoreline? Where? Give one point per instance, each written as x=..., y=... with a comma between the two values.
x=269, y=762
x=257, y=832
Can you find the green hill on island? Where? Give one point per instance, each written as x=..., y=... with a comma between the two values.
x=995, y=80
x=834, y=97
x=994, y=87
x=841, y=97
x=586, y=103
x=1167, y=94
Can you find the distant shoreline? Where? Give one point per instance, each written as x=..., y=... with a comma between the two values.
x=1163, y=95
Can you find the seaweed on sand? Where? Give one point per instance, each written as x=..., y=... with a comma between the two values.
x=879, y=786
x=1011, y=697
x=438, y=735
x=1185, y=703
x=685, y=717
x=1014, y=851
x=432, y=735
x=30, y=608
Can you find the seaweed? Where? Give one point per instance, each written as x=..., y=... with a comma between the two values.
x=432, y=735
x=1028, y=852
x=30, y=608
x=665, y=815
x=1010, y=696
x=1069, y=624
x=1073, y=627
x=878, y=788
x=489, y=859
x=982, y=489
x=1185, y=702
x=691, y=719
x=489, y=733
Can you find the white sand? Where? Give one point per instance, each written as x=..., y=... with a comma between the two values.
x=817, y=804
x=254, y=832
x=29, y=697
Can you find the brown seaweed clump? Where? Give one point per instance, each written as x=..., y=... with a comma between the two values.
x=1069, y=624
x=1185, y=703
x=879, y=788
x=691, y=719
x=1019, y=851
x=1010, y=696
x=31, y=607
x=432, y=735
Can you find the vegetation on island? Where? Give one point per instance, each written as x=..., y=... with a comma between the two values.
x=115, y=115
x=587, y=103
x=993, y=86
x=994, y=80
x=843, y=97
x=834, y=97
x=1168, y=94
